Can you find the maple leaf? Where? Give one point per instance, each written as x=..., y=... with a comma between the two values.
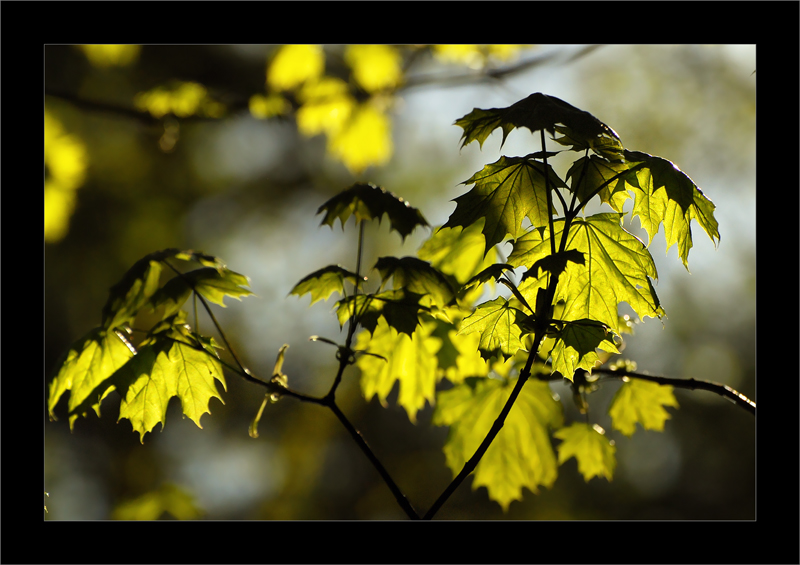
x=409, y=360
x=505, y=192
x=416, y=276
x=324, y=282
x=680, y=202
x=536, y=112
x=590, y=173
x=85, y=370
x=521, y=454
x=175, y=362
x=458, y=252
x=367, y=202
x=575, y=348
x=134, y=290
x=499, y=327
x=643, y=402
x=213, y=283
x=458, y=357
x=618, y=268
x=590, y=447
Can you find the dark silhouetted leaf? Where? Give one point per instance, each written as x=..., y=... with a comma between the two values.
x=492, y=272
x=555, y=264
x=536, y=112
x=400, y=308
x=370, y=202
x=416, y=276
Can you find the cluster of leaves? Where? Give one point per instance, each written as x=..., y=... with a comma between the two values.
x=576, y=272
x=429, y=320
x=348, y=96
x=170, y=360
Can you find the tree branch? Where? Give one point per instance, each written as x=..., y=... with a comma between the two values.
x=692, y=384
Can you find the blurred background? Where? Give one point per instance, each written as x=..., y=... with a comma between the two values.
x=232, y=149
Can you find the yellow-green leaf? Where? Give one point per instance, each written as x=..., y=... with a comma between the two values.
x=505, y=192
x=498, y=324
x=521, y=454
x=400, y=308
x=458, y=252
x=643, y=402
x=134, y=290
x=575, y=348
x=86, y=371
x=666, y=195
x=594, y=452
x=324, y=282
x=618, y=268
x=170, y=366
x=410, y=361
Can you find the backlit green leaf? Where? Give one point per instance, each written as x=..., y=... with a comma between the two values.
x=590, y=173
x=594, y=452
x=368, y=202
x=85, y=372
x=505, y=192
x=321, y=284
x=492, y=272
x=134, y=290
x=575, y=348
x=555, y=264
x=643, y=402
x=459, y=357
x=458, y=252
x=171, y=365
x=521, y=454
x=410, y=361
x=666, y=195
x=499, y=326
x=215, y=285
x=618, y=269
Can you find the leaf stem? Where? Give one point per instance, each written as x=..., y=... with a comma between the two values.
x=549, y=197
